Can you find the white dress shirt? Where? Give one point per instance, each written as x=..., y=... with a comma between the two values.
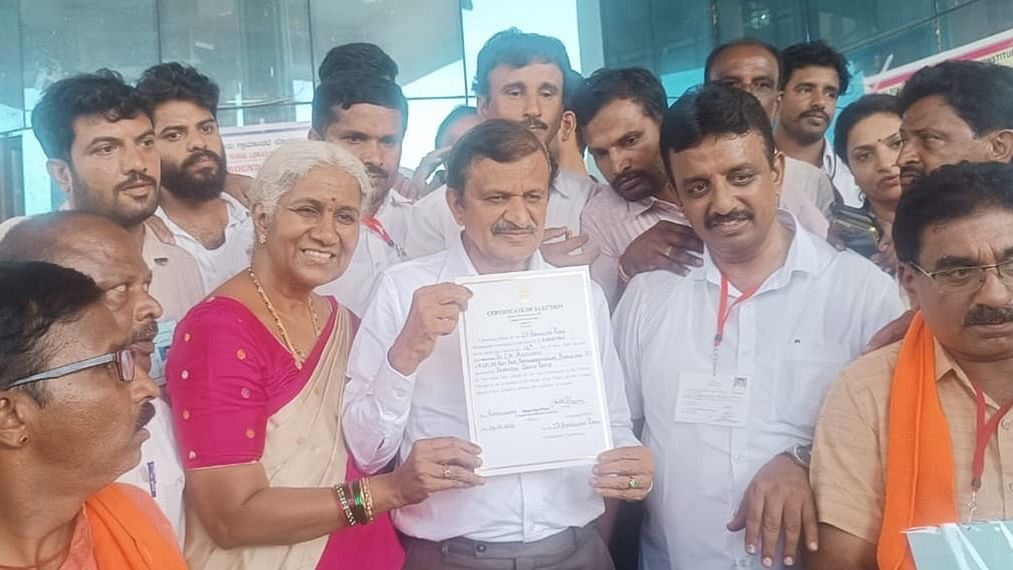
x=841, y=176
x=385, y=413
x=431, y=225
x=393, y=213
x=219, y=265
x=806, y=322
x=371, y=256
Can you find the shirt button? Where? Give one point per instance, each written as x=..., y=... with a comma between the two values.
x=480, y=548
x=1006, y=424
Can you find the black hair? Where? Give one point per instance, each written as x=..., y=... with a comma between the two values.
x=177, y=82
x=357, y=57
x=864, y=107
x=713, y=110
x=515, y=48
x=345, y=90
x=980, y=93
x=101, y=93
x=458, y=112
x=814, y=54
x=497, y=139
x=607, y=85
x=741, y=42
x=949, y=193
x=35, y=297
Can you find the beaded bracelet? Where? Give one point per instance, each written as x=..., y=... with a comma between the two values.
x=339, y=490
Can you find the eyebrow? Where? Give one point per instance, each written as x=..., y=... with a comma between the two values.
x=146, y=134
x=514, y=85
x=630, y=133
x=101, y=140
x=550, y=86
x=951, y=261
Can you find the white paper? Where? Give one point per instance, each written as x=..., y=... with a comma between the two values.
x=532, y=371
x=713, y=399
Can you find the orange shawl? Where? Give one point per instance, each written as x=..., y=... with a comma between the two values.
x=125, y=535
x=919, y=459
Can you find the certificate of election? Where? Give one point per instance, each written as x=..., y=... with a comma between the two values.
x=532, y=371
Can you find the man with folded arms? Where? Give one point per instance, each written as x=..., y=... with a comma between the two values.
x=727, y=366
x=406, y=380
x=73, y=407
x=914, y=433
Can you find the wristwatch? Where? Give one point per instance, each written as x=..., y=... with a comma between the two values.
x=801, y=454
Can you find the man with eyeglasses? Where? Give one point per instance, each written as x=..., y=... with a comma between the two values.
x=916, y=433
x=73, y=410
x=103, y=250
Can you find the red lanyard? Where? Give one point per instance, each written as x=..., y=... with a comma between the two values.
x=724, y=309
x=984, y=433
x=374, y=224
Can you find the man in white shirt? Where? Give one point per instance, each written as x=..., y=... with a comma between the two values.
x=520, y=77
x=367, y=115
x=203, y=219
x=406, y=381
x=813, y=77
x=755, y=66
x=727, y=366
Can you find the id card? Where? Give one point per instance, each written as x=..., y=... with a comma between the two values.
x=163, y=340
x=713, y=399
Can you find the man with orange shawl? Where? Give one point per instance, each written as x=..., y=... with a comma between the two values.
x=916, y=433
x=73, y=407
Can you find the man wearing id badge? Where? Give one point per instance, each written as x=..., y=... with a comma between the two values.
x=727, y=366
x=917, y=434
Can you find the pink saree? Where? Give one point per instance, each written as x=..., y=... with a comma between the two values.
x=237, y=397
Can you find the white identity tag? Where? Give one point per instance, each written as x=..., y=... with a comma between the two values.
x=713, y=399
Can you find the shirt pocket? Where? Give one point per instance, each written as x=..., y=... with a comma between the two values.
x=806, y=372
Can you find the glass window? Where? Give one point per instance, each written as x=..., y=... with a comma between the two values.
x=778, y=22
x=12, y=103
x=683, y=34
x=422, y=36
x=895, y=50
x=842, y=24
x=256, y=50
x=627, y=33
x=975, y=21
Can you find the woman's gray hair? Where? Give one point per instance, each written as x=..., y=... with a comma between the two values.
x=284, y=167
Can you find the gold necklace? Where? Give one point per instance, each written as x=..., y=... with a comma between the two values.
x=297, y=355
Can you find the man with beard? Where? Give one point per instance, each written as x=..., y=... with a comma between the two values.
x=100, y=145
x=204, y=220
x=755, y=67
x=955, y=111
x=813, y=76
x=73, y=407
x=367, y=115
x=105, y=253
x=727, y=366
x=519, y=77
x=903, y=441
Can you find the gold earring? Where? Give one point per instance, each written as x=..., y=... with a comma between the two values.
x=261, y=239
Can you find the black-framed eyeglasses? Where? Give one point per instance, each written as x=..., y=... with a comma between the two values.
x=122, y=359
x=962, y=278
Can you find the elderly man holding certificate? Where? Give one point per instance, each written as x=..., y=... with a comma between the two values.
x=507, y=365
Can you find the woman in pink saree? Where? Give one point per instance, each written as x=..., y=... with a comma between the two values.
x=256, y=375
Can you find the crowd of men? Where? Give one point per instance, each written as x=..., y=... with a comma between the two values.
x=853, y=390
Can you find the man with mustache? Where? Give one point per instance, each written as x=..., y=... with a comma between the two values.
x=73, y=407
x=813, y=76
x=214, y=227
x=727, y=366
x=946, y=118
x=367, y=115
x=406, y=380
x=519, y=77
x=99, y=142
x=104, y=252
x=934, y=404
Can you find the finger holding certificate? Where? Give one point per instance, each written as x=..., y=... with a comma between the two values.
x=532, y=371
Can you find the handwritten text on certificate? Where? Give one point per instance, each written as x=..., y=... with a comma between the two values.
x=532, y=371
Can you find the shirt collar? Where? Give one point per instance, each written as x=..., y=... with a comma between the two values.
x=803, y=257
x=641, y=207
x=459, y=264
x=237, y=211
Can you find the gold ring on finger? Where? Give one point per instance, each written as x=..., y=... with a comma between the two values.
x=447, y=472
x=634, y=483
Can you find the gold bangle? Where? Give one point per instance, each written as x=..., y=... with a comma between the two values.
x=368, y=496
x=339, y=490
